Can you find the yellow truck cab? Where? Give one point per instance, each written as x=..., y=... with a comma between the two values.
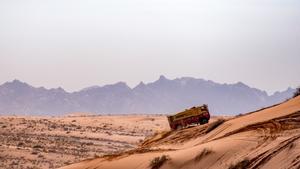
x=194, y=115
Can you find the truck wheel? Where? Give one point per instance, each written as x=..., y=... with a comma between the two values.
x=203, y=121
x=178, y=127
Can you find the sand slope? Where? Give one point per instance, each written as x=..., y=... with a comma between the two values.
x=268, y=138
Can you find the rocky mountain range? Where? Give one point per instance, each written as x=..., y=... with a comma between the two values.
x=162, y=96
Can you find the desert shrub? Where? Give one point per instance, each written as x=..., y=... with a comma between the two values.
x=20, y=144
x=15, y=163
x=37, y=146
x=157, y=162
x=241, y=164
x=202, y=154
x=297, y=92
x=214, y=125
x=34, y=152
x=96, y=155
x=67, y=162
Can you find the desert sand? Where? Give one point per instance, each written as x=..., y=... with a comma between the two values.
x=267, y=138
x=52, y=142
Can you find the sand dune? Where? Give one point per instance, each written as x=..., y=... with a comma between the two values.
x=268, y=138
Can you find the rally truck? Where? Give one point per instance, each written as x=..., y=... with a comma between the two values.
x=195, y=115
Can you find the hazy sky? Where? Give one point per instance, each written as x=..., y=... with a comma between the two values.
x=79, y=43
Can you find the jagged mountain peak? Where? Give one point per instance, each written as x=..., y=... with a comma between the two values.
x=162, y=78
x=59, y=89
x=161, y=96
x=241, y=84
x=16, y=84
x=141, y=85
x=119, y=85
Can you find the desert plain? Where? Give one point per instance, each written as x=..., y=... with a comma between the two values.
x=268, y=138
x=52, y=142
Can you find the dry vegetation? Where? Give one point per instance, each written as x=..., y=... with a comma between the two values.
x=157, y=162
x=241, y=164
x=54, y=142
